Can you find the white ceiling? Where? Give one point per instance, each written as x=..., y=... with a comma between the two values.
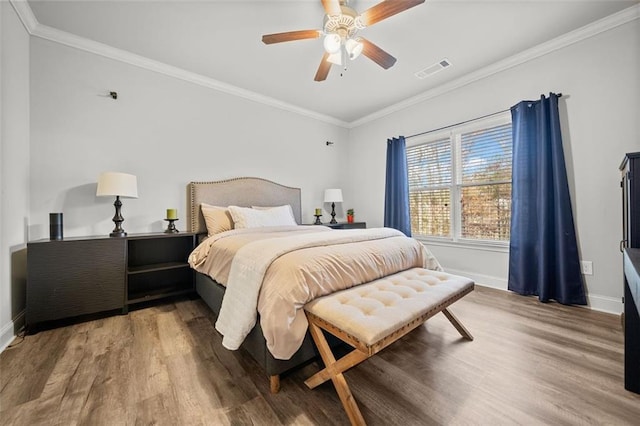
x=221, y=40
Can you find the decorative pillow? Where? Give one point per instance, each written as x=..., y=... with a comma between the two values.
x=276, y=207
x=218, y=219
x=244, y=217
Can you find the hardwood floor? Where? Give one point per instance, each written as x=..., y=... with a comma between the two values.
x=530, y=363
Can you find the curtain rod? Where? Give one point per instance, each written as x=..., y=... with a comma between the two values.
x=462, y=122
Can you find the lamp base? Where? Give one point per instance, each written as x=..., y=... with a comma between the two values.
x=333, y=214
x=118, y=219
x=318, y=221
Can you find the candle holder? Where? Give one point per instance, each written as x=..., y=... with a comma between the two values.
x=317, y=222
x=171, y=229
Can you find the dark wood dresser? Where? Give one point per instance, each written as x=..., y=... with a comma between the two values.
x=81, y=276
x=630, y=244
x=632, y=319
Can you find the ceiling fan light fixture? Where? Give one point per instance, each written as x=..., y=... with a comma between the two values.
x=354, y=48
x=340, y=25
x=335, y=58
x=332, y=43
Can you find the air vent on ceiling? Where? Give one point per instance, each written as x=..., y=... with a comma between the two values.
x=431, y=70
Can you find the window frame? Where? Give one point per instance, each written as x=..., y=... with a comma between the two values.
x=454, y=134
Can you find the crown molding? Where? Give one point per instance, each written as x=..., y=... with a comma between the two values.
x=24, y=12
x=37, y=29
x=620, y=18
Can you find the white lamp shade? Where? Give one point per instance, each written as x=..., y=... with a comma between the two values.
x=120, y=184
x=332, y=43
x=333, y=195
x=335, y=58
x=354, y=48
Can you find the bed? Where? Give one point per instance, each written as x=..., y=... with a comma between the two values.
x=251, y=192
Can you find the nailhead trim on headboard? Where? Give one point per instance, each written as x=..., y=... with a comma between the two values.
x=241, y=191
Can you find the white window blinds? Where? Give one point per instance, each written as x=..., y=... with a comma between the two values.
x=430, y=177
x=460, y=187
x=485, y=183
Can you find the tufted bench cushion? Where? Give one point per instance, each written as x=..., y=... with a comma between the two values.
x=373, y=311
x=372, y=316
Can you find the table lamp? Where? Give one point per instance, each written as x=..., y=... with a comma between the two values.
x=333, y=196
x=118, y=185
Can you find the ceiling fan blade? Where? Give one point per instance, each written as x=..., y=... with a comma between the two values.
x=323, y=69
x=332, y=7
x=376, y=54
x=290, y=36
x=385, y=9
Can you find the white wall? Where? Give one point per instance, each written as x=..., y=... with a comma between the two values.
x=165, y=131
x=599, y=80
x=14, y=170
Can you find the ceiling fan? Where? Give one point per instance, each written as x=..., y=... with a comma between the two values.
x=340, y=26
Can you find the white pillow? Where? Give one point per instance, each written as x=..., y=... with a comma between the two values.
x=244, y=217
x=275, y=207
x=218, y=219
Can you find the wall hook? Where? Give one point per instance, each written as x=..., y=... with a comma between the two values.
x=114, y=95
x=329, y=143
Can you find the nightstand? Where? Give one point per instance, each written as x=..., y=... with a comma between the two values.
x=346, y=225
x=89, y=275
x=157, y=266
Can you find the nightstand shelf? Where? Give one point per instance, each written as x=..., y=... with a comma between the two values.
x=155, y=292
x=155, y=267
x=142, y=286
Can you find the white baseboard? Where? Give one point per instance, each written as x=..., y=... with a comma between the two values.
x=7, y=333
x=596, y=302
x=606, y=304
x=480, y=279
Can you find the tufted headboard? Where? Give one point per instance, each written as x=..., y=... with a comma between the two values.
x=243, y=192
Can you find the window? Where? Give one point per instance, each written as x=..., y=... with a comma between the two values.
x=460, y=183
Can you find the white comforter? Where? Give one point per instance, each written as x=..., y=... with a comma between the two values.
x=278, y=276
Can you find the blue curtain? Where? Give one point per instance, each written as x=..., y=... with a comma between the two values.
x=396, y=194
x=543, y=253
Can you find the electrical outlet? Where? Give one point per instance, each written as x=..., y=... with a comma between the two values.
x=587, y=267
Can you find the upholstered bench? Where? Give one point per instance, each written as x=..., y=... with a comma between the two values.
x=371, y=316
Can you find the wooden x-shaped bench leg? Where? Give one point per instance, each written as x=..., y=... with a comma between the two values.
x=352, y=359
x=333, y=370
x=457, y=324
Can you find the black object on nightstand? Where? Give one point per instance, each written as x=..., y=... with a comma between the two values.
x=90, y=275
x=346, y=225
